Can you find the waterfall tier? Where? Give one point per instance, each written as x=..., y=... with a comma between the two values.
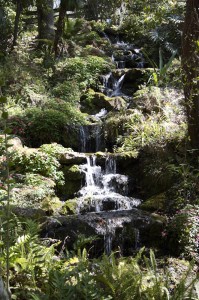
x=104, y=190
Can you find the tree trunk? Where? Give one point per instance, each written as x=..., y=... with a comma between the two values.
x=45, y=13
x=60, y=24
x=16, y=26
x=190, y=65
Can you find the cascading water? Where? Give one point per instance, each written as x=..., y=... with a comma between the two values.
x=90, y=137
x=112, y=86
x=117, y=87
x=105, y=191
x=104, y=197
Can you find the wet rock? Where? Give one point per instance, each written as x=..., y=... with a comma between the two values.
x=71, y=137
x=68, y=230
x=92, y=102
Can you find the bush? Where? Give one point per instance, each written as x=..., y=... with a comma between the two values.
x=183, y=232
x=34, y=161
x=67, y=90
x=84, y=70
x=45, y=126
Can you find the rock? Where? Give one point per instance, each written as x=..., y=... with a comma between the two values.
x=29, y=213
x=52, y=205
x=71, y=137
x=90, y=50
x=36, y=194
x=72, y=158
x=69, y=189
x=73, y=181
x=68, y=230
x=14, y=142
x=72, y=172
x=92, y=102
x=133, y=78
x=154, y=99
x=126, y=230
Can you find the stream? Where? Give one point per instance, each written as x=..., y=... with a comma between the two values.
x=103, y=200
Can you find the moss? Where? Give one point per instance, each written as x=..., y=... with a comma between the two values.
x=72, y=173
x=92, y=102
x=69, y=189
x=127, y=155
x=154, y=203
x=51, y=205
x=70, y=206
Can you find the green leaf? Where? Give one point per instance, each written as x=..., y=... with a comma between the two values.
x=7, y=131
x=5, y=115
x=3, y=99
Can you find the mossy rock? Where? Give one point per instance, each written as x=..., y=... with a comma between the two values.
x=52, y=205
x=69, y=207
x=69, y=189
x=154, y=203
x=92, y=102
x=72, y=173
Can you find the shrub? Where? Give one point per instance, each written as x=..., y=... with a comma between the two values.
x=72, y=113
x=67, y=90
x=34, y=161
x=84, y=70
x=183, y=232
x=44, y=126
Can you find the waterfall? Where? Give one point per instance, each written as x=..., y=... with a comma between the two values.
x=104, y=189
x=90, y=136
x=117, y=87
x=83, y=134
x=110, y=165
x=120, y=64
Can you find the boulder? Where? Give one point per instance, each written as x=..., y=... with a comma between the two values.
x=72, y=158
x=92, y=102
x=14, y=142
x=133, y=78
x=68, y=230
x=73, y=181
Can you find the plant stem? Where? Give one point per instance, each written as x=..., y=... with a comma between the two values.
x=7, y=213
x=7, y=208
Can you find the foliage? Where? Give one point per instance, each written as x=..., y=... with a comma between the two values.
x=36, y=162
x=68, y=91
x=185, y=189
x=6, y=30
x=183, y=232
x=33, y=126
x=149, y=130
x=85, y=70
x=54, y=149
x=154, y=26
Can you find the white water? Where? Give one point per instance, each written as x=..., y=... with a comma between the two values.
x=104, y=189
x=117, y=87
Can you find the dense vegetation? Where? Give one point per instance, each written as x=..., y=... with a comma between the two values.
x=54, y=56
